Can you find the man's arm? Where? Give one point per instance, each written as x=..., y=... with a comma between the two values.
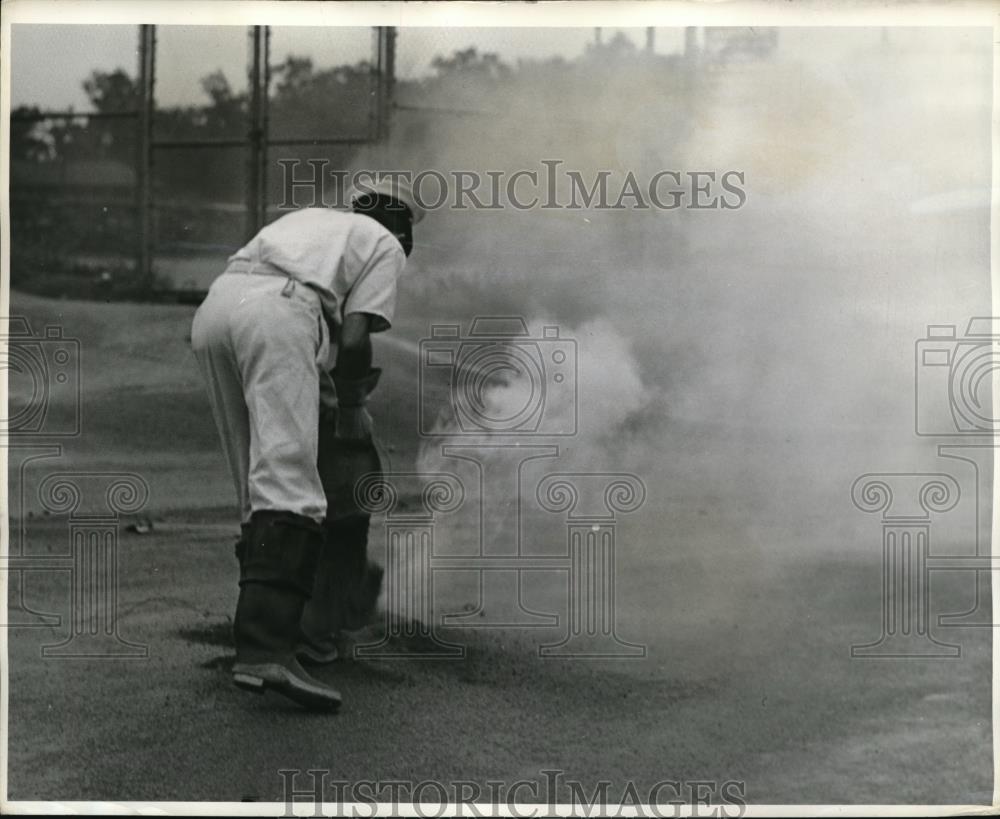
x=354, y=377
x=354, y=347
x=368, y=308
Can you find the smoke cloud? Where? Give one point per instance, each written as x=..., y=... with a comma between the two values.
x=747, y=364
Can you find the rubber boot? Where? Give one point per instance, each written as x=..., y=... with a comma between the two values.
x=346, y=593
x=277, y=571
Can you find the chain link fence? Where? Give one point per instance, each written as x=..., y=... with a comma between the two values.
x=146, y=195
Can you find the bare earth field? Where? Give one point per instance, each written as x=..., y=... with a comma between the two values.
x=747, y=676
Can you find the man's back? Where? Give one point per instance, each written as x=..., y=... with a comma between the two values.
x=338, y=254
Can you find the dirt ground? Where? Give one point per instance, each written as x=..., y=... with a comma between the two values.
x=747, y=677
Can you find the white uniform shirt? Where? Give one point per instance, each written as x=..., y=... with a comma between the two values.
x=349, y=259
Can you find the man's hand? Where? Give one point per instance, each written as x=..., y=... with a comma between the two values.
x=353, y=421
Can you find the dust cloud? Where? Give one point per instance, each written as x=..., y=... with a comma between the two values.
x=747, y=363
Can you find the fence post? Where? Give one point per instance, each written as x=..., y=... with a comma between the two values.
x=144, y=156
x=264, y=128
x=258, y=80
x=385, y=69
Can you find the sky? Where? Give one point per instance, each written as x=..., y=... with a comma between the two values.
x=187, y=53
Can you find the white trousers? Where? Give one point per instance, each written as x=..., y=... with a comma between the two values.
x=261, y=343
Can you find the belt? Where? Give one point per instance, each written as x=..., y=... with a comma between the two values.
x=256, y=268
x=246, y=267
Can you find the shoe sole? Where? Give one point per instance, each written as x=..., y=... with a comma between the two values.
x=281, y=681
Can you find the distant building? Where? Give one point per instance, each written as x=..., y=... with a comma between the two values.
x=723, y=42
